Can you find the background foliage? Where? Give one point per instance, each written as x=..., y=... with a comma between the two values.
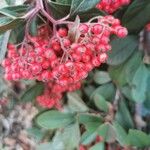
x=114, y=101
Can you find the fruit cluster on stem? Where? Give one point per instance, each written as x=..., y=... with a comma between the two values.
x=111, y=6
x=61, y=56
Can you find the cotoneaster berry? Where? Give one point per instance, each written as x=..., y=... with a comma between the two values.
x=59, y=61
x=111, y=6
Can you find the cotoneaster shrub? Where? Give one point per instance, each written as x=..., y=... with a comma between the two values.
x=89, y=62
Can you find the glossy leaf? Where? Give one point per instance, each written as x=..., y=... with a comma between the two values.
x=91, y=122
x=75, y=103
x=123, y=115
x=100, y=102
x=122, y=49
x=106, y=90
x=88, y=137
x=107, y=131
x=78, y=6
x=101, y=77
x=139, y=83
x=7, y=23
x=121, y=135
x=68, y=138
x=137, y=15
x=54, y=119
x=99, y=146
x=32, y=92
x=138, y=138
x=59, y=10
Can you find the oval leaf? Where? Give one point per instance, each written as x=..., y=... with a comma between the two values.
x=78, y=6
x=122, y=49
x=32, y=92
x=54, y=119
x=101, y=77
x=100, y=102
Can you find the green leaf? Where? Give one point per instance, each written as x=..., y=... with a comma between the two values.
x=123, y=115
x=86, y=16
x=68, y=2
x=32, y=92
x=147, y=101
x=79, y=6
x=132, y=65
x=18, y=10
x=34, y=27
x=8, y=13
x=122, y=49
x=88, y=137
x=126, y=91
x=75, y=103
x=101, y=77
x=4, y=38
x=91, y=122
x=68, y=138
x=44, y=146
x=117, y=73
x=121, y=134
x=99, y=146
x=124, y=73
x=59, y=10
x=107, y=131
x=139, y=84
x=54, y=119
x=138, y=138
x=106, y=90
x=17, y=34
x=137, y=15
x=100, y=102
x=36, y=133
x=7, y=23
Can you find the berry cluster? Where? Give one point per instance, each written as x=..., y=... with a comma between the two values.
x=148, y=27
x=64, y=59
x=111, y=6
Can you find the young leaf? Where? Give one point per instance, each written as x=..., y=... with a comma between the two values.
x=74, y=32
x=79, y=6
x=3, y=44
x=54, y=119
x=32, y=92
x=122, y=49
